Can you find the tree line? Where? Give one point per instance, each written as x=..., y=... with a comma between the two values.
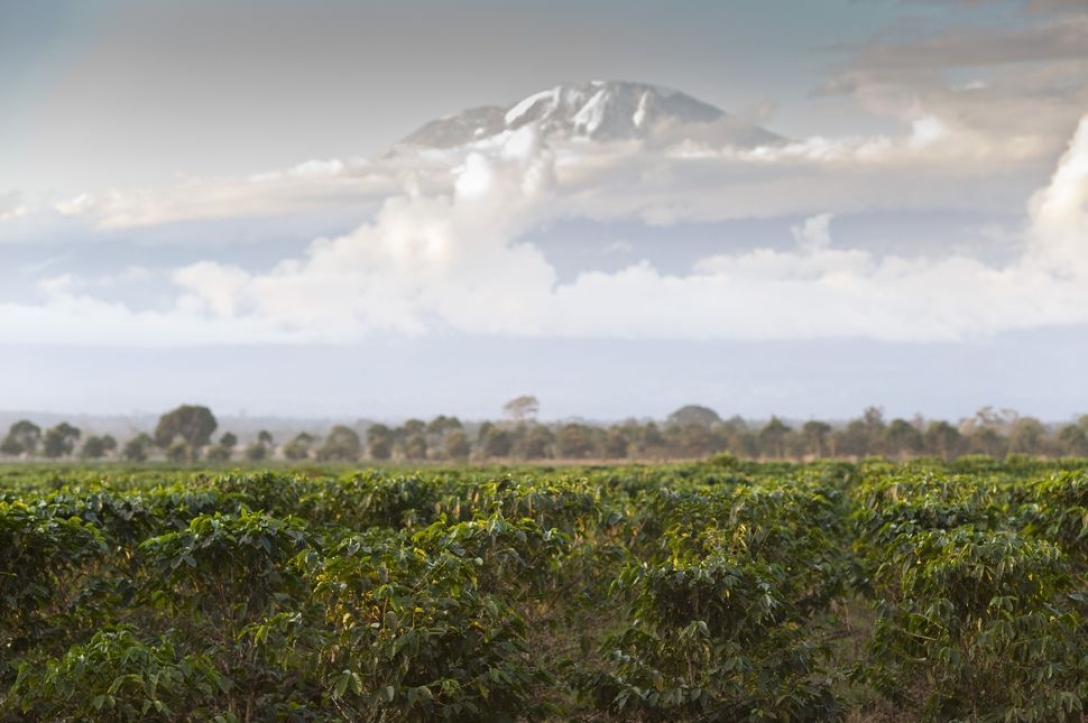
x=187, y=434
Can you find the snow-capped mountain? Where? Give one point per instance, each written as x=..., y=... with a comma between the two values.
x=598, y=111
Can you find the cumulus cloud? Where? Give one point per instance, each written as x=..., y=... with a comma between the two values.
x=455, y=263
x=449, y=256
x=450, y=259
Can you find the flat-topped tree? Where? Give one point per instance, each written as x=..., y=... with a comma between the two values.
x=522, y=409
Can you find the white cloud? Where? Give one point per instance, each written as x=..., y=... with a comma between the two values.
x=453, y=261
x=666, y=181
x=12, y=207
x=815, y=233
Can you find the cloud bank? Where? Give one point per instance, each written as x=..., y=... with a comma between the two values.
x=454, y=263
x=446, y=252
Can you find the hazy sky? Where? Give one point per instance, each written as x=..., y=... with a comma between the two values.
x=196, y=205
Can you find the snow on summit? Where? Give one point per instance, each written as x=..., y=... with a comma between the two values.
x=598, y=111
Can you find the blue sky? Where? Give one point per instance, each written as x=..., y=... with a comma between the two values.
x=196, y=204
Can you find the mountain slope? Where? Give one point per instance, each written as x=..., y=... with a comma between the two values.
x=598, y=111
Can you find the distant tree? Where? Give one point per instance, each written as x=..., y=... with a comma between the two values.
x=415, y=447
x=986, y=440
x=1073, y=441
x=180, y=452
x=495, y=442
x=692, y=440
x=852, y=441
x=412, y=426
x=218, y=453
x=60, y=441
x=902, y=438
x=457, y=445
x=412, y=439
x=873, y=417
x=772, y=437
x=342, y=444
x=256, y=452
x=943, y=439
x=98, y=447
x=224, y=450
x=190, y=424
x=1027, y=436
x=536, y=442
x=744, y=443
x=138, y=448
x=442, y=424
x=615, y=444
x=651, y=441
x=521, y=409
x=632, y=434
x=379, y=442
x=260, y=449
x=999, y=420
x=694, y=414
x=816, y=434
x=299, y=447
x=22, y=438
x=575, y=441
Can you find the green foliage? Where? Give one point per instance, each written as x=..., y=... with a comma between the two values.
x=227, y=566
x=414, y=637
x=40, y=558
x=117, y=677
x=720, y=590
x=715, y=639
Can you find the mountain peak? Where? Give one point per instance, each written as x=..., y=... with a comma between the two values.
x=596, y=110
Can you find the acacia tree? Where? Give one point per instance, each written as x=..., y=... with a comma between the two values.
x=192, y=425
x=521, y=409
